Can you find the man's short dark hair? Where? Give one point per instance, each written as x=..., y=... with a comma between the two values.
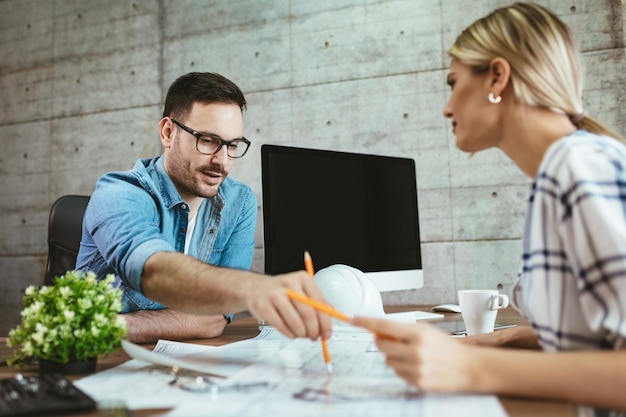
x=203, y=87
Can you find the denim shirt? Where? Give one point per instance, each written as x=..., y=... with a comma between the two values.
x=133, y=214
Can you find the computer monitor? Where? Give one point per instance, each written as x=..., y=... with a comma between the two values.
x=344, y=208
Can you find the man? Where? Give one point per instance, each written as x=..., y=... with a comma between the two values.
x=179, y=234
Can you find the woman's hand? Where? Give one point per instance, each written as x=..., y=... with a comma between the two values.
x=423, y=355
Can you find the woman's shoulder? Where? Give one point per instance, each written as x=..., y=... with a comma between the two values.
x=584, y=154
x=582, y=142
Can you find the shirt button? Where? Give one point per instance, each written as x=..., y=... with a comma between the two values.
x=182, y=230
x=184, y=206
x=211, y=231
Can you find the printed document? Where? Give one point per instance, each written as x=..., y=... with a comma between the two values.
x=271, y=375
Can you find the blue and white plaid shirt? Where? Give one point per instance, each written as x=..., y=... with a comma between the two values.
x=572, y=284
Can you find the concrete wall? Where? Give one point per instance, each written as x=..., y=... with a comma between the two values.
x=82, y=84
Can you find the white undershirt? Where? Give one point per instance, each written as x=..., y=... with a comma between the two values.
x=190, y=226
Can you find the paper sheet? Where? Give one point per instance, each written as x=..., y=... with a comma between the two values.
x=295, y=378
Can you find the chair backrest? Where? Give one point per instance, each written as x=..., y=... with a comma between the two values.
x=64, y=234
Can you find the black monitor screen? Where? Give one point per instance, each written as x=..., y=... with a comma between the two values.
x=344, y=208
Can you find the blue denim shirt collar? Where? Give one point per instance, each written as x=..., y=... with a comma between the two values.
x=168, y=191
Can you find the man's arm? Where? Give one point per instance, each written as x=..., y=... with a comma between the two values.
x=147, y=326
x=186, y=284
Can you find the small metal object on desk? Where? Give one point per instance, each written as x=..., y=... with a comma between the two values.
x=200, y=383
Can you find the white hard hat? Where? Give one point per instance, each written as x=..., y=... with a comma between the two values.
x=350, y=291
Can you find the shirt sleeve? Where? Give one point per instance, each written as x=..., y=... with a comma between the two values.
x=124, y=223
x=593, y=204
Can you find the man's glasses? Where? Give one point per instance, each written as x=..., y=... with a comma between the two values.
x=210, y=144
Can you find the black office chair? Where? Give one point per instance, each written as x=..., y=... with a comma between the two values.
x=64, y=234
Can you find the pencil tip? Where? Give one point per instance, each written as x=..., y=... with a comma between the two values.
x=307, y=255
x=329, y=368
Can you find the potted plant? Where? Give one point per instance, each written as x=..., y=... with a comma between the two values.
x=67, y=325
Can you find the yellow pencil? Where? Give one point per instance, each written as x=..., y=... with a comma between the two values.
x=308, y=265
x=325, y=308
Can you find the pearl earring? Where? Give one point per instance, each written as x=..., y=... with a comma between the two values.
x=494, y=100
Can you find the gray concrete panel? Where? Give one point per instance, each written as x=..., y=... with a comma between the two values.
x=596, y=24
x=25, y=41
x=107, y=56
x=255, y=57
x=16, y=275
x=92, y=28
x=486, y=213
x=24, y=184
x=439, y=278
x=604, y=97
x=83, y=148
x=82, y=84
x=190, y=18
x=489, y=167
x=435, y=214
x=336, y=41
x=487, y=264
x=25, y=95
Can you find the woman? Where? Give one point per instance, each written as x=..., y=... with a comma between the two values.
x=516, y=85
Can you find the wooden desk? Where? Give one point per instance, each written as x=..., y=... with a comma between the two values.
x=247, y=328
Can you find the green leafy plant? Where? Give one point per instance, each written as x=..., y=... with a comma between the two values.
x=75, y=320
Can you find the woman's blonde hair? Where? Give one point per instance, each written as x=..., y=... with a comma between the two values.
x=546, y=67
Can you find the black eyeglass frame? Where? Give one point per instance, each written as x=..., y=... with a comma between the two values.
x=223, y=142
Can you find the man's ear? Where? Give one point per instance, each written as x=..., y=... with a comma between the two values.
x=166, y=131
x=499, y=75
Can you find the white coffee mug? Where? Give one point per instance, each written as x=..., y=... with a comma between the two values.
x=479, y=309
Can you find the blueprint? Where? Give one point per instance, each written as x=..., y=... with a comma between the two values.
x=271, y=375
